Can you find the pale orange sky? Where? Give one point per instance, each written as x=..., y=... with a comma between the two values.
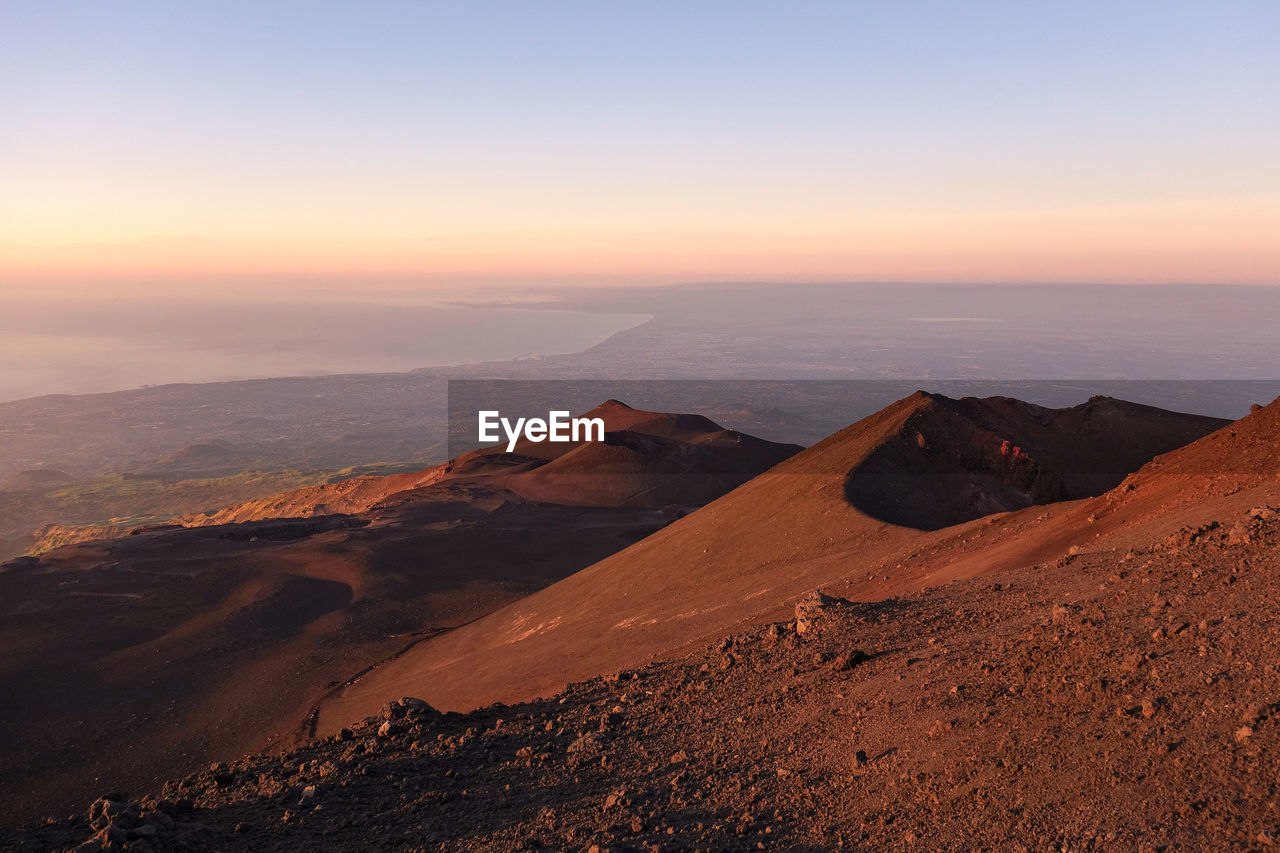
x=594, y=144
x=1189, y=242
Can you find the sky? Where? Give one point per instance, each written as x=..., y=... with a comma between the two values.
x=173, y=144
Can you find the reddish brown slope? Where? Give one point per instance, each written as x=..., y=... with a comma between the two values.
x=153, y=654
x=748, y=553
x=354, y=495
x=648, y=459
x=1121, y=701
x=1121, y=698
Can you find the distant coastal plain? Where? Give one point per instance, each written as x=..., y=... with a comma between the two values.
x=50, y=346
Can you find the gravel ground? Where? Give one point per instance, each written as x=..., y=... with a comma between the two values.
x=1108, y=701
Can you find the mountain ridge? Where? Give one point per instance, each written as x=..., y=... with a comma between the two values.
x=221, y=638
x=1118, y=691
x=787, y=530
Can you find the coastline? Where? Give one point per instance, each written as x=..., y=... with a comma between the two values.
x=155, y=361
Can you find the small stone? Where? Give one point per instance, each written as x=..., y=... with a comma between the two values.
x=812, y=607
x=589, y=744
x=1148, y=708
x=407, y=706
x=850, y=659
x=111, y=808
x=1255, y=713
x=679, y=756
x=1132, y=663
x=1063, y=612
x=1244, y=733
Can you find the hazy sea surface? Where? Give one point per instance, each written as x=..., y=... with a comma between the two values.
x=87, y=345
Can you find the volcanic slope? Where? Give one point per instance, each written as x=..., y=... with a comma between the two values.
x=794, y=528
x=647, y=459
x=1124, y=696
x=156, y=653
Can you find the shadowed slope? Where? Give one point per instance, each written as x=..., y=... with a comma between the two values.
x=155, y=653
x=956, y=460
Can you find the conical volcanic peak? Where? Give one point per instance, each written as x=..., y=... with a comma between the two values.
x=787, y=530
x=646, y=459
x=952, y=461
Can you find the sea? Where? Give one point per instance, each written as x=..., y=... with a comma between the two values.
x=59, y=344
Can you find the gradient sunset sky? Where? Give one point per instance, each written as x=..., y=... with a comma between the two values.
x=639, y=142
